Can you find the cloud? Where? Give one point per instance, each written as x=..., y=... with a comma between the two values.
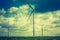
x=2, y=12
x=13, y=9
x=17, y=22
x=47, y=22
x=17, y=19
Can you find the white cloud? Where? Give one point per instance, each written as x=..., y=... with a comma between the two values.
x=46, y=21
x=13, y=9
x=2, y=11
x=20, y=21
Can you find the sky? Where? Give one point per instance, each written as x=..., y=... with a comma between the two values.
x=41, y=5
x=14, y=16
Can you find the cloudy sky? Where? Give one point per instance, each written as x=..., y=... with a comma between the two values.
x=15, y=19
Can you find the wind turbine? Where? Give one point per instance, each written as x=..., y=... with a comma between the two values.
x=32, y=13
